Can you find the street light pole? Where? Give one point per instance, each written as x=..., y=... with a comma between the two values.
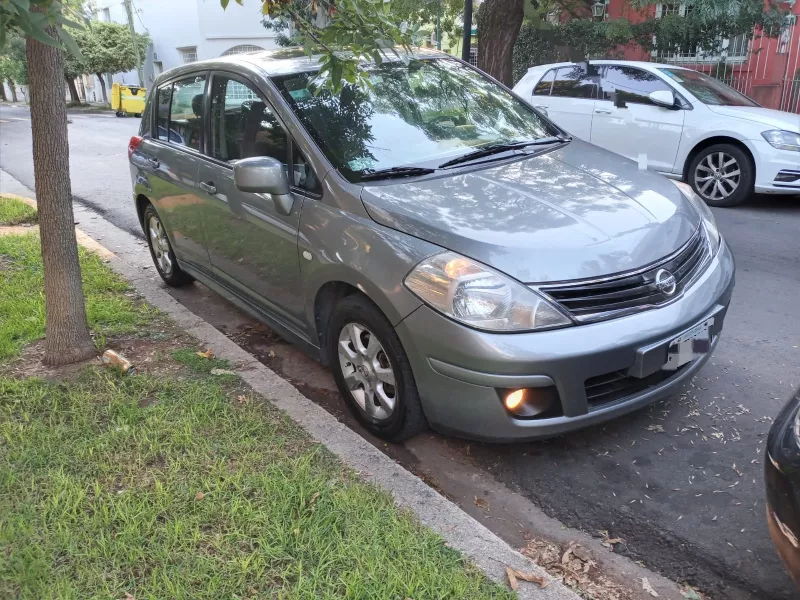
x=135, y=42
x=467, y=40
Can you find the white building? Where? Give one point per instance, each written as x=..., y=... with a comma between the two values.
x=183, y=31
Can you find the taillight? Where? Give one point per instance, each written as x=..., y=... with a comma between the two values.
x=133, y=145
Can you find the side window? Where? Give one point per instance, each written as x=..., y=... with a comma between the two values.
x=163, y=98
x=186, y=116
x=242, y=125
x=303, y=175
x=543, y=87
x=630, y=84
x=574, y=82
x=146, y=125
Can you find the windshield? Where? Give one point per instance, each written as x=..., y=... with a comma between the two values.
x=707, y=89
x=417, y=114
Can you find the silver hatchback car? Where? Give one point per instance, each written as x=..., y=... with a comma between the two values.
x=455, y=257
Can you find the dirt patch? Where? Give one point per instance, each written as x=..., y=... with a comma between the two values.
x=18, y=229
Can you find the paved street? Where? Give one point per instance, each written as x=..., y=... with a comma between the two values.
x=681, y=482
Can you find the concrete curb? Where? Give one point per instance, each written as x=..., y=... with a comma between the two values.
x=127, y=256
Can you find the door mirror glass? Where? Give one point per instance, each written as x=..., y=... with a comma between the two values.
x=261, y=175
x=663, y=98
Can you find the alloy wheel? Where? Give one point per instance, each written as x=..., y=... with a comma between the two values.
x=160, y=244
x=717, y=176
x=367, y=371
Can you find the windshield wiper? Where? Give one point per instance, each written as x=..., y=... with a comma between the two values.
x=498, y=148
x=396, y=172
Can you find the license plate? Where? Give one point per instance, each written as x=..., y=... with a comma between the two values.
x=690, y=345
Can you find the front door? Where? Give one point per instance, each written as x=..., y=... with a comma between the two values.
x=171, y=157
x=627, y=122
x=252, y=247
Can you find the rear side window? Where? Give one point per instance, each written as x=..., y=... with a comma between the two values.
x=574, y=82
x=543, y=87
x=630, y=84
x=186, y=115
x=163, y=98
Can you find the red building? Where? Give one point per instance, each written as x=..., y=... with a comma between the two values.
x=766, y=68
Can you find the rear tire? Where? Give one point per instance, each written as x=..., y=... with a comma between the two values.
x=372, y=370
x=722, y=175
x=161, y=250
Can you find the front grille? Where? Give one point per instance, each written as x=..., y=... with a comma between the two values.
x=599, y=299
x=612, y=387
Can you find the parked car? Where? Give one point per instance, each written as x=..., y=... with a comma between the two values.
x=677, y=121
x=782, y=472
x=456, y=258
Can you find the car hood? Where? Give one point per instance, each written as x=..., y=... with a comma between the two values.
x=572, y=213
x=776, y=119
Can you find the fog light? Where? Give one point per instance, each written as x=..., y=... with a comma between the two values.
x=514, y=399
x=531, y=402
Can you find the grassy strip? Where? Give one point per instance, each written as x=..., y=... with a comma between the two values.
x=15, y=212
x=109, y=311
x=178, y=483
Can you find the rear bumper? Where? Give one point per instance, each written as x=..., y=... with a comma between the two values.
x=459, y=370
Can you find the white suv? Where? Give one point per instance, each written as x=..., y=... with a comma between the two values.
x=673, y=120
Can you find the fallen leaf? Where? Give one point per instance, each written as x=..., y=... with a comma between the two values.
x=656, y=428
x=566, y=555
x=648, y=588
x=530, y=577
x=512, y=579
x=241, y=399
x=199, y=496
x=207, y=354
x=582, y=553
x=129, y=596
x=482, y=503
x=222, y=372
x=272, y=354
x=690, y=594
x=314, y=497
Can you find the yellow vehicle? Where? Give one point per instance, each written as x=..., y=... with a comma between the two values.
x=128, y=100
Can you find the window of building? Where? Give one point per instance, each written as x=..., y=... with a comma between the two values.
x=107, y=15
x=545, y=84
x=242, y=49
x=189, y=54
x=186, y=115
x=630, y=85
x=785, y=37
x=575, y=82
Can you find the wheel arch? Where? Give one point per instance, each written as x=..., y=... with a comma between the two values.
x=141, y=203
x=711, y=141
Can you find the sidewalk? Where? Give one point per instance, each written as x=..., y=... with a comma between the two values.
x=461, y=532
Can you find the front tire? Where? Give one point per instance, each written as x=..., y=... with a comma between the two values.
x=722, y=175
x=372, y=370
x=161, y=250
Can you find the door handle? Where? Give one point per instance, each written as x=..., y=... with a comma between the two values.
x=603, y=111
x=208, y=187
x=154, y=162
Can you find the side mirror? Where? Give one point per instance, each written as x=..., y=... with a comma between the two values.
x=264, y=175
x=663, y=98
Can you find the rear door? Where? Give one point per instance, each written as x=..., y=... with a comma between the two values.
x=627, y=122
x=568, y=95
x=171, y=157
x=252, y=247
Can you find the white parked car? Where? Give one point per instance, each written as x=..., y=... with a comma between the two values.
x=673, y=120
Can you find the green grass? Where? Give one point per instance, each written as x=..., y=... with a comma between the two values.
x=109, y=311
x=99, y=483
x=15, y=212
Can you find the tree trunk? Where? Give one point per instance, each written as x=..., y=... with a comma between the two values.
x=3, y=92
x=73, y=91
x=102, y=87
x=67, y=337
x=498, y=29
x=13, y=87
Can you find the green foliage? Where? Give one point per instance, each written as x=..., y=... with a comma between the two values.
x=105, y=48
x=13, y=61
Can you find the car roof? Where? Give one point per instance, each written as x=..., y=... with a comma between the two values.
x=285, y=61
x=625, y=63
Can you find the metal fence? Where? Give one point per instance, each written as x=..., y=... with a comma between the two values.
x=764, y=67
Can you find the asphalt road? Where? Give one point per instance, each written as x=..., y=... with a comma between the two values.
x=681, y=481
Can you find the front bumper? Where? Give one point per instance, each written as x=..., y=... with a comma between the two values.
x=771, y=161
x=459, y=370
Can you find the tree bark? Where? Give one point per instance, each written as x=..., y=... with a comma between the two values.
x=102, y=87
x=13, y=87
x=3, y=92
x=498, y=29
x=73, y=91
x=67, y=338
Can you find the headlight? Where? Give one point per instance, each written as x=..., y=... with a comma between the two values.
x=783, y=140
x=480, y=297
x=709, y=222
